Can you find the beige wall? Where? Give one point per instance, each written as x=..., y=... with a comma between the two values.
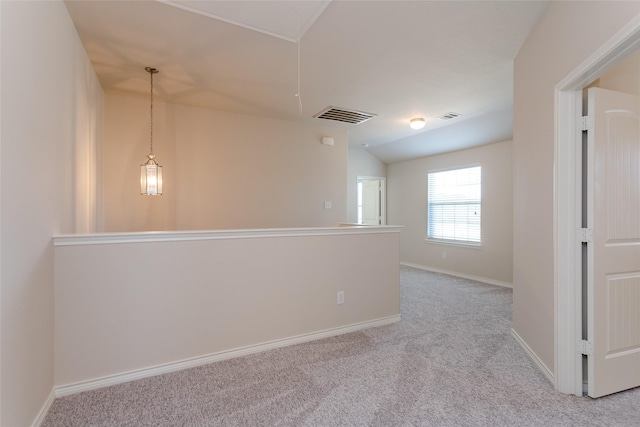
x=361, y=163
x=565, y=37
x=624, y=77
x=221, y=170
x=51, y=113
x=124, y=307
x=407, y=205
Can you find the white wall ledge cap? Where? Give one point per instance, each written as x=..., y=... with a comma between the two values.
x=183, y=236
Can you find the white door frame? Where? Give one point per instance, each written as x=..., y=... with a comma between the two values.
x=567, y=203
x=383, y=194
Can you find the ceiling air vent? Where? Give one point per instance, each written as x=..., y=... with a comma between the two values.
x=448, y=116
x=343, y=115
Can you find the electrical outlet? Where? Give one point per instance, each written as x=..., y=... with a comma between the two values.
x=341, y=297
x=444, y=254
x=327, y=205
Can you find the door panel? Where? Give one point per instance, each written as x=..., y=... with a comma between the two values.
x=614, y=255
x=623, y=295
x=371, y=202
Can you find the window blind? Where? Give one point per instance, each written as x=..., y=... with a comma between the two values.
x=454, y=203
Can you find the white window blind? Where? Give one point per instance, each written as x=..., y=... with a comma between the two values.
x=454, y=202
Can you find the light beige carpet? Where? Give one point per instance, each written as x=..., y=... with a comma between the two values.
x=450, y=362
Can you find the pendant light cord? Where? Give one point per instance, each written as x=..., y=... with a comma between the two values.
x=151, y=113
x=298, y=42
x=298, y=94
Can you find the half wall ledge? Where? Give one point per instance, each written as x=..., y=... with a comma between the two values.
x=130, y=305
x=174, y=236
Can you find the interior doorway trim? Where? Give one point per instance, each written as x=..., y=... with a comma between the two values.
x=383, y=194
x=567, y=202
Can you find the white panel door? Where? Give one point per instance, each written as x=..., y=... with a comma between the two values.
x=614, y=255
x=371, y=214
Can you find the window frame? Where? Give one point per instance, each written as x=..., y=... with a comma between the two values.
x=453, y=242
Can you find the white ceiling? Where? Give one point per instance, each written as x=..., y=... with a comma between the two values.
x=396, y=59
x=288, y=20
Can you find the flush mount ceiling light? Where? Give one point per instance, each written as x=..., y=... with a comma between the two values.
x=151, y=171
x=417, y=123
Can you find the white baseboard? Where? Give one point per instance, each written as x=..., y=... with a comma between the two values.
x=68, y=389
x=539, y=363
x=462, y=275
x=44, y=410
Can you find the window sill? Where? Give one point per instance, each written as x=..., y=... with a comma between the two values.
x=454, y=243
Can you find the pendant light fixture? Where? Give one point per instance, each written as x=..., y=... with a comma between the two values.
x=151, y=171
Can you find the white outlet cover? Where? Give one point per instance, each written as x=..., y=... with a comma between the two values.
x=327, y=205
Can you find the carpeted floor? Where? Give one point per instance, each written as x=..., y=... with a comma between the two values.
x=450, y=362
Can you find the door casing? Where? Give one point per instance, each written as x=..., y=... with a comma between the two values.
x=567, y=203
x=383, y=194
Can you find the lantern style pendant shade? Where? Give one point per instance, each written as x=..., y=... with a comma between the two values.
x=151, y=171
x=151, y=177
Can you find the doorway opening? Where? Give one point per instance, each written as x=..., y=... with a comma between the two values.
x=568, y=205
x=371, y=199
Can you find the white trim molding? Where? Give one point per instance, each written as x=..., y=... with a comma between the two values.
x=44, y=410
x=183, y=236
x=462, y=275
x=534, y=357
x=567, y=200
x=69, y=389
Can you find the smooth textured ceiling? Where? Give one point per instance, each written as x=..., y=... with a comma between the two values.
x=288, y=20
x=395, y=59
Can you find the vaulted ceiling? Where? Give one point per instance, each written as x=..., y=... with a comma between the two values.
x=395, y=59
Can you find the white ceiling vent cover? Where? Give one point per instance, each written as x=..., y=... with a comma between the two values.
x=343, y=115
x=448, y=116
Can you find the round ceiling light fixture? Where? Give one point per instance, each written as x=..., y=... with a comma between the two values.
x=417, y=123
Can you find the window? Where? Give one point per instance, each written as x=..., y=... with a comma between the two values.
x=454, y=202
